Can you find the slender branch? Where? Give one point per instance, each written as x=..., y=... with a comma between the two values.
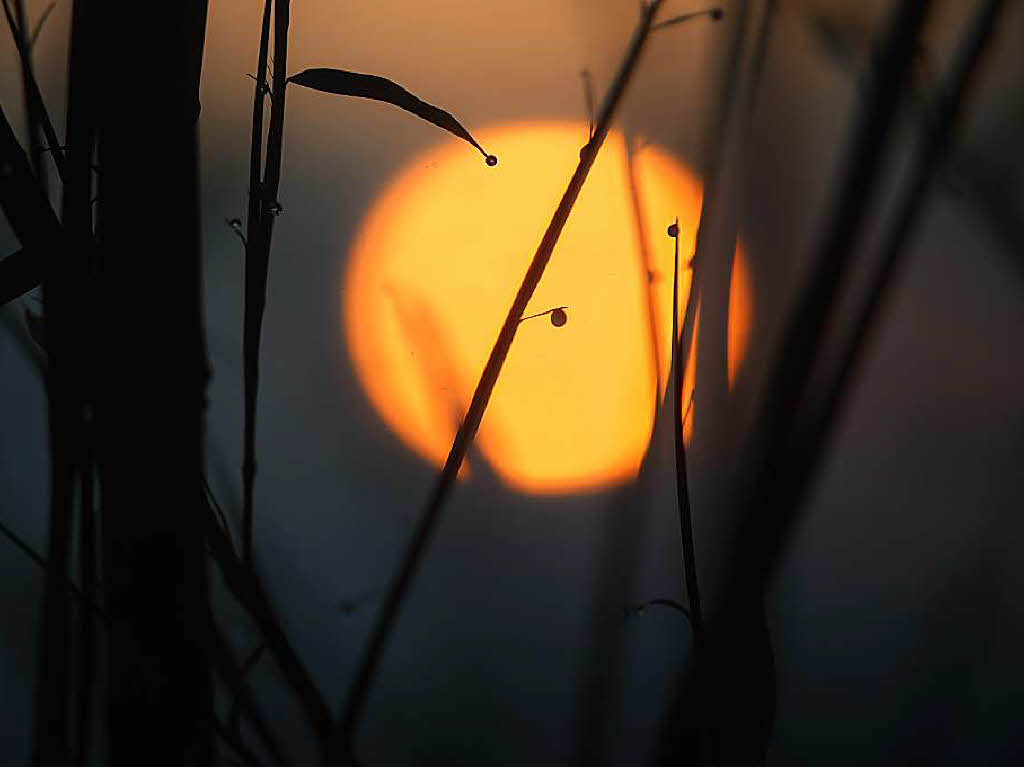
x=341, y=738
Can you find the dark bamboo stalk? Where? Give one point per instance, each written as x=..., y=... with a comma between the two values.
x=341, y=739
x=257, y=255
x=151, y=369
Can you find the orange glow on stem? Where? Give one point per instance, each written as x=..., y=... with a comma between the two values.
x=435, y=266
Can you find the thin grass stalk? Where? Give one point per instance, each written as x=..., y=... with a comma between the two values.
x=246, y=703
x=966, y=179
x=35, y=105
x=618, y=554
x=239, y=690
x=734, y=674
x=242, y=582
x=936, y=135
x=341, y=740
x=32, y=118
x=647, y=267
x=761, y=43
x=689, y=727
x=764, y=529
x=255, y=284
x=258, y=258
x=715, y=243
x=243, y=699
x=34, y=223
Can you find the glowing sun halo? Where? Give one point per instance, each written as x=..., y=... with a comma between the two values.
x=435, y=266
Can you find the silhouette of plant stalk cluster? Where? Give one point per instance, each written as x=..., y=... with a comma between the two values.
x=159, y=657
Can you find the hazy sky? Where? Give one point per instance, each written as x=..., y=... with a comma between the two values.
x=896, y=611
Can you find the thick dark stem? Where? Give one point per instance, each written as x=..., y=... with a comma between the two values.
x=152, y=369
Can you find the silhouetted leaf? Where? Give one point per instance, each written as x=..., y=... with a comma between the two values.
x=343, y=83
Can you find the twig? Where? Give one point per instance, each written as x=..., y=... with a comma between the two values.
x=341, y=737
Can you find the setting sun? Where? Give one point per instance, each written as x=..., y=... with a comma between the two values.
x=438, y=259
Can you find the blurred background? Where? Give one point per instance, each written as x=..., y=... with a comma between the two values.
x=895, y=617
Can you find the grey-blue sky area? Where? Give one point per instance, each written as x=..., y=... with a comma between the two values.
x=894, y=614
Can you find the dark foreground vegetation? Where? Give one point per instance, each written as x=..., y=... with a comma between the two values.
x=135, y=533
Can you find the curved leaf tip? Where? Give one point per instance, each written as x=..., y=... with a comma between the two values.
x=344, y=83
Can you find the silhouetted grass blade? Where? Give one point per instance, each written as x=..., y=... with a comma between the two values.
x=343, y=83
